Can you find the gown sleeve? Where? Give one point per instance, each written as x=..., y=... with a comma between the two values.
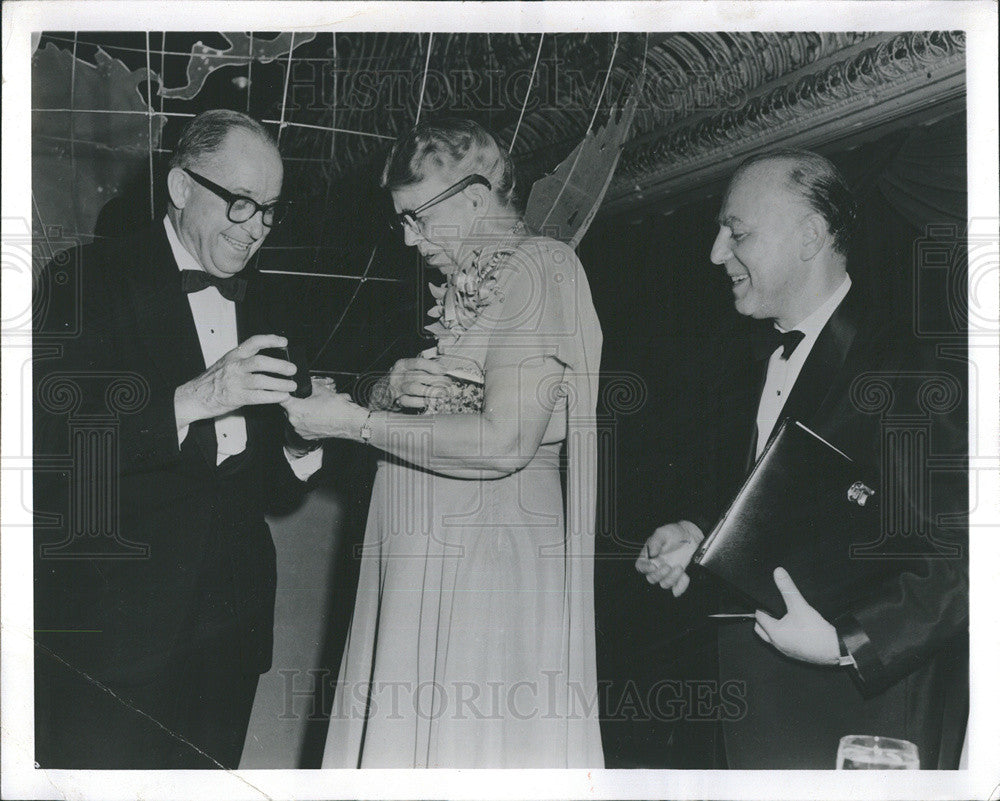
x=545, y=310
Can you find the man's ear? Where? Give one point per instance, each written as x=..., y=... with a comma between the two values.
x=815, y=235
x=179, y=187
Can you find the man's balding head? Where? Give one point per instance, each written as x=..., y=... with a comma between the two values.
x=820, y=184
x=203, y=135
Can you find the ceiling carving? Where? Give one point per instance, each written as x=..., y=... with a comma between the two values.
x=708, y=97
x=338, y=100
x=886, y=78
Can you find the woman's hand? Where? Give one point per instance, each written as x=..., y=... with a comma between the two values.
x=412, y=381
x=325, y=413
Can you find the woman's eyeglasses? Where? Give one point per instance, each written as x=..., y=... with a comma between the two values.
x=411, y=218
x=242, y=208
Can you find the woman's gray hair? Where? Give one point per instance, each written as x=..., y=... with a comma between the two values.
x=455, y=147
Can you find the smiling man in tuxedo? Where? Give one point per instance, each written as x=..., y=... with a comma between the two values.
x=895, y=663
x=154, y=597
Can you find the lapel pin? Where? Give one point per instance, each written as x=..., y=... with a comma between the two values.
x=859, y=493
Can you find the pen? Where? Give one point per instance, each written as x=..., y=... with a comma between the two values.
x=736, y=615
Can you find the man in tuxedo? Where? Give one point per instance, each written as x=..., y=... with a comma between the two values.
x=154, y=566
x=895, y=663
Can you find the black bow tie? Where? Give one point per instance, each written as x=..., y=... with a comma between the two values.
x=230, y=288
x=767, y=340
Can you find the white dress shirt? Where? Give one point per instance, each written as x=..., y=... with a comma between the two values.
x=782, y=373
x=215, y=322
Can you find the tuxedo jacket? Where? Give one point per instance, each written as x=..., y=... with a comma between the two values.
x=143, y=548
x=899, y=409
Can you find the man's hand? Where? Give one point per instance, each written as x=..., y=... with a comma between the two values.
x=235, y=380
x=667, y=553
x=326, y=413
x=412, y=381
x=802, y=633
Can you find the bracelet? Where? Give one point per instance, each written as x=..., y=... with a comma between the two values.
x=366, y=428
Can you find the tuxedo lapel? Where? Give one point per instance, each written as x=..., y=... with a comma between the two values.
x=164, y=320
x=251, y=320
x=247, y=325
x=815, y=383
x=758, y=377
x=825, y=362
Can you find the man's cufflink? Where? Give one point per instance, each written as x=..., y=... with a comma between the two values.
x=301, y=453
x=300, y=446
x=846, y=658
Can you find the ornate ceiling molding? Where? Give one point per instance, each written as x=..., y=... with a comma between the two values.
x=368, y=82
x=888, y=78
x=708, y=98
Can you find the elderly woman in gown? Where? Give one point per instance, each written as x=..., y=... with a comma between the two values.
x=472, y=639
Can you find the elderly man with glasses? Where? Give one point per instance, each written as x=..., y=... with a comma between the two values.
x=154, y=597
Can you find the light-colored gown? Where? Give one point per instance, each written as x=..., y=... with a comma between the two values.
x=472, y=641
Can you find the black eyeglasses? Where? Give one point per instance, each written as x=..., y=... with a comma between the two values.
x=410, y=218
x=242, y=208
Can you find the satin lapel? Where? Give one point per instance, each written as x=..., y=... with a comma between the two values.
x=248, y=310
x=164, y=321
x=756, y=376
x=825, y=361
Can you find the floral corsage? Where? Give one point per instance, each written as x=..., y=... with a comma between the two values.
x=459, y=302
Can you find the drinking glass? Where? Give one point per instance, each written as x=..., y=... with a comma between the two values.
x=868, y=752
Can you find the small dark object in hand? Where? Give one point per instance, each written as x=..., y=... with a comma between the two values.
x=301, y=377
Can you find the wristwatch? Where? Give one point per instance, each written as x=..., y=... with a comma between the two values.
x=366, y=428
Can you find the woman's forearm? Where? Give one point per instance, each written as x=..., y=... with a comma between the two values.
x=496, y=442
x=459, y=445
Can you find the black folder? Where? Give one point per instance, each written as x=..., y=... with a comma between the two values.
x=803, y=507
